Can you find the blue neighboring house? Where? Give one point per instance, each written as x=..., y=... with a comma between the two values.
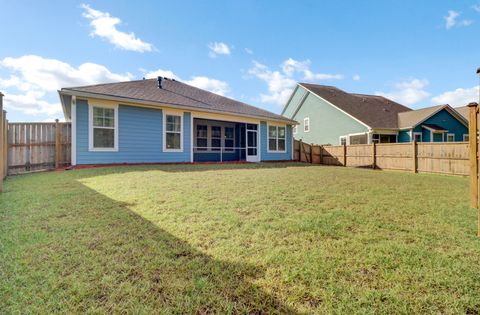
x=328, y=115
x=166, y=121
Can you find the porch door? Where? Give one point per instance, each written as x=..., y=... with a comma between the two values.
x=252, y=143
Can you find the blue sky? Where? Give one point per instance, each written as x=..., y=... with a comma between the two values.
x=420, y=53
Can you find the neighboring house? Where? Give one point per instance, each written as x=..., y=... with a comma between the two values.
x=328, y=115
x=163, y=120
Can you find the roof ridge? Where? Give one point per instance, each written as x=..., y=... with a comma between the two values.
x=218, y=95
x=108, y=83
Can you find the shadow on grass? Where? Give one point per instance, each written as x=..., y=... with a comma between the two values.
x=94, y=254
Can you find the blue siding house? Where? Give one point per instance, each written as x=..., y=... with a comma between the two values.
x=165, y=121
x=328, y=115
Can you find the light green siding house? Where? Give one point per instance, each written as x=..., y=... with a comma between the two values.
x=328, y=115
x=319, y=121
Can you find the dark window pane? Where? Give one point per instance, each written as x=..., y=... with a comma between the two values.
x=229, y=144
x=251, y=139
x=252, y=151
x=281, y=132
x=201, y=131
x=251, y=127
x=202, y=143
x=229, y=133
x=216, y=144
x=173, y=141
x=216, y=132
x=103, y=138
x=272, y=144
x=281, y=145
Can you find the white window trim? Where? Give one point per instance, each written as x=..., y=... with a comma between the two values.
x=268, y=138
x=295, y=129
x=465, y=135
x=450, y=134
x=306, y=119
x=172, y=113
x=90, y=128
x=343, y=137
x=417, y=133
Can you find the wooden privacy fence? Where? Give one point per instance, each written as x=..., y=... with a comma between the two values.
x=38, y=146
x=3, y=143
x=425, y=157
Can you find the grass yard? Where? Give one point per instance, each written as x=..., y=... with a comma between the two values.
x=249, y=239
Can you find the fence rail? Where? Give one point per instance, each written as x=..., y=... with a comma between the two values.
x=424, y=157
x=38, y=146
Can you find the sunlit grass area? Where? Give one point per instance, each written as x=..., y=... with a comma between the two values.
x=255, y=238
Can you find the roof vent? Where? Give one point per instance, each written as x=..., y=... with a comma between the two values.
x=159, y=82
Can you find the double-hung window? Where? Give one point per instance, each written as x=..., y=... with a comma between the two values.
x=276, y=138
x=450, y=137
x=103, y=128
x=216, y=138
x=202, y=137
x=173, y=132
x=306, y=124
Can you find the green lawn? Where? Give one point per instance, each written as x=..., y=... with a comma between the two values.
x=266, y=238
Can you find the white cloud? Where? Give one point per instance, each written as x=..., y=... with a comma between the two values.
x=37, y=79
x=408, y=92
x=161, y=73
x=218, y=48
x=212, y=85
x=281, y=82
x=451, y=20
x=249, y=51
x=105, y=26
x=356, y=77
x=458, y=97
x=476, y=7
x=52, y=74
x=202, y=82
x=32, y=103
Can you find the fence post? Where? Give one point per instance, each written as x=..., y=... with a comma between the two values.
x=57, y=144
x=2, y=145
x=472, y=153
x=414, y=156
x=374, y=155
x=345, y=154
x=5, y=146
x=311, y=153
x=300, y=147
x=321, y=154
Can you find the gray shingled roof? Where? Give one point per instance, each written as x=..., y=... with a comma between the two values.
x=463, y=110
x=177, y=94
x=374, y=111
x=414, y=117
